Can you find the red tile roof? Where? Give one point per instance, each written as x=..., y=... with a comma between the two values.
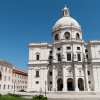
x=16, y=70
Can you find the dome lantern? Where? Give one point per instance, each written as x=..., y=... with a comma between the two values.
x=65, y=12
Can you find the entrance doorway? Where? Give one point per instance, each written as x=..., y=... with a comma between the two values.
x=59, y=84
x=80, y=84
x=70, y=84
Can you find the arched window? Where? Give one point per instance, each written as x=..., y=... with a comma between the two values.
x=77, y=36
x=67, y=35
x=56, y=37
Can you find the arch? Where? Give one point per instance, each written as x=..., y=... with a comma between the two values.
x=70, y=85
x=80, y=84
x=67, y=35
x=56, y=37
x=59, y=84
x=77, y=36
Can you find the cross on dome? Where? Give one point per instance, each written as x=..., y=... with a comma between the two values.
x=65, y=11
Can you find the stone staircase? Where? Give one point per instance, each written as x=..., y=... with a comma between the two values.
x=75, y=93
x=72, y=95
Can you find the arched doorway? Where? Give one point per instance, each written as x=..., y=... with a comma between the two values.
x=80, y=84
x=59, y=84
x=70, y=84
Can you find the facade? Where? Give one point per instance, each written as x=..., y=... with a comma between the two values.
x=68, y=64
x=11, y=77
x=6, y=70
x=19, y=79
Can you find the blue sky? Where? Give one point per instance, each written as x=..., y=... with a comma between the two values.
x=25, y=21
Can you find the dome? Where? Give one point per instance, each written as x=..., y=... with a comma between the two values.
x=66, y=20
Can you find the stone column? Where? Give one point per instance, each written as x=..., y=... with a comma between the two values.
x=86, y=79
x=75, y=79
x=53, y=79
x=64, y=80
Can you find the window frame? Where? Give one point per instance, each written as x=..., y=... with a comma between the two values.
x=78, y=48
x=69, y=57
x=78, y=57
x=59, y=57
x=37, y=74
x=68, y=48
x=37, y=57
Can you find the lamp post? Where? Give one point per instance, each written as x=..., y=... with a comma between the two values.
x=45, y=88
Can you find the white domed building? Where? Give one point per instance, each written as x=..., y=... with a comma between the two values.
x=68, y=64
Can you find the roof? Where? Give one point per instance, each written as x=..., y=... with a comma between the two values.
x=5, y=63
x=66, y=21
x=18, y=71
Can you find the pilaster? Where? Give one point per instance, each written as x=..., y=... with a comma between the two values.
x=86, y=79
x=64, y=79
x=75, y=79
x=53, y=79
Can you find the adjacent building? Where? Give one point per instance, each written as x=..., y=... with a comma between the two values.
x=13, y=79
x=6, y=69
x=68, y=64
x=19, y=79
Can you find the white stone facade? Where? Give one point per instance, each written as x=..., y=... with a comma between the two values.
x=68, y=64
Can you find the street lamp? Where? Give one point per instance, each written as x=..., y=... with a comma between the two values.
x=45, y=88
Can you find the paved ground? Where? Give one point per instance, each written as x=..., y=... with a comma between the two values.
x=64, y=95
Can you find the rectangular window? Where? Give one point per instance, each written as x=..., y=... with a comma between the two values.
x=9, y=78
x=50, y=52
x=86, y=50
x=5, y=78
x=50, y=73
x=86, y=56
x=12, y=87
x=37, y=82
x=69, y=57
x=78, y=48
x=59, y=57
x=8, y=87
x=58, y=49
x=4, y=87
x=79, y=57
x=50, y=57
x=89, y=82
x=2, y=69
x=88, y=72
x=37, y=73
x=50, y=82
x=37, y=57
x=68, y=48
x=5, y=70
